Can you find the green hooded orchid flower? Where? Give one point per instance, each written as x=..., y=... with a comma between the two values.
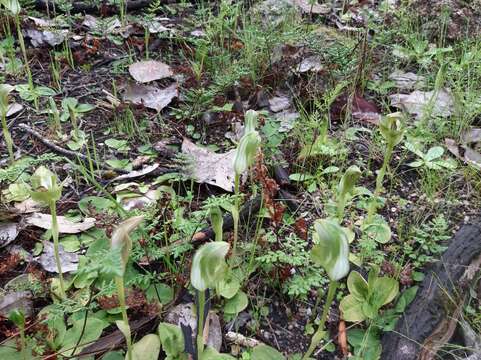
x=208, y=265
x=46, y=188
x=208, y=269
x=392, y=128
x=345, y=186
x=331, y=249
x=217, y=221
x=246, y=152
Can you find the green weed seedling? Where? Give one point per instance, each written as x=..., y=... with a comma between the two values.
x=431, y=160
x=331, y=251
x=18, y=318
x=121, y=241
x=47, y=190
x=5, y=90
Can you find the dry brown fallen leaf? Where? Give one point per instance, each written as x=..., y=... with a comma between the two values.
x=149, y=70
x=65, y=226
x=209, y=167
x=151, y=96
x=439, y=103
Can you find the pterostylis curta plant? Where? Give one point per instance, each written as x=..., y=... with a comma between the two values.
x=5, y=90
x=346, y=184
x=208, y=269
x=47, y=190
x=120, y=241
x=331, y=251
x=392, y=130
x=18, y=318
x=244, y=158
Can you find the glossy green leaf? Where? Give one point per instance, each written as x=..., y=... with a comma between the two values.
x=378, y=230
x=236, y=304
x=351, y=309
x=212, y=354
x=264, y=352
x=228, y=287
x=357, y=286
x=331, y=249
x=172, y=340
x=147, y=348
x=384, y=291
x=208, y=265
x=92, y=331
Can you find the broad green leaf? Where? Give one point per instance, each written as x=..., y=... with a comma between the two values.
x=378, y=230
x=120, y=145
x=93, y=330
x=147, y=348
x=264, y=352
x=228, y=287
x=95, y=203
x=70, y=243
x=160, y=292
x=416, y=164
x=172, y=340
x=113, y=355
x=10, y=350
x=236, y=304
x=331, y=249
x=351, y=309
x=357, y=286
x=208, y=265
x=124, y=328
x=17, y=192
x=384, y=291
x=406, y=298
x=212, y=354
x=301, y=177
x=82, y=108
x=330, y=170
x=447, y=164
x=434, y=153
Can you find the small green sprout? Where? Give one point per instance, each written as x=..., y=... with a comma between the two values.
x=18, y=318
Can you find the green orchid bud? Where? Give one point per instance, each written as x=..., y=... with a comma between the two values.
x=120, y=237
x=11, y=5
x=5, y=90
x=331, y=249
x=392, y=128
x=348, y=180
x=246, y=152
x=208, y=265
x=217, y=221
x=45, y=186
x=250, y=118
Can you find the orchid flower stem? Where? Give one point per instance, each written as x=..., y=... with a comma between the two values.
x=23, y=343
x=200, y=324
x=119, y=283
x=7, y=136
x=55, y=232
x=318, y=334
x=235, y=213
x=379, y=179
x=25, y=58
